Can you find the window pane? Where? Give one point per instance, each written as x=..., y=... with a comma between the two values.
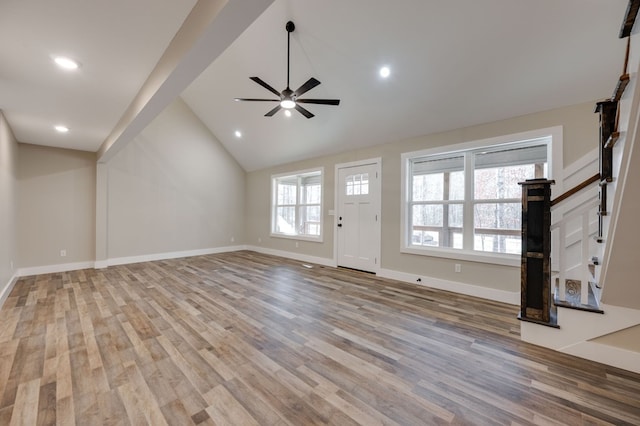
x=501, y=182
x=498, y=216
x=311, y=194
x=428, y=187
x=428, y=228
x=310, y=220
x=456, y=218
x=425, y=238
x=494, y=243
x=357, y=184
x=427, y=215
x=497, y=227
x=286, y=193
x=456, y=185
x=286, y=220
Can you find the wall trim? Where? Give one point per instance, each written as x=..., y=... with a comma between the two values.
x=324, y=261
x=581, y=169
x=164, y=256
x=606, y=354
x=7, y=289
x=65, y=267
x=494, y=294
x=52, y=269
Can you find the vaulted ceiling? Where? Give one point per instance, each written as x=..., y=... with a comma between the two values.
x=453, y=64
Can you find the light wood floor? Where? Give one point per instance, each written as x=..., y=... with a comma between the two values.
x=243, y=338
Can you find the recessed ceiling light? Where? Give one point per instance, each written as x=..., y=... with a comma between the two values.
x=287, y=112
x=61, y=129
x=238, y=134
x=66, y=63
x=385, y=72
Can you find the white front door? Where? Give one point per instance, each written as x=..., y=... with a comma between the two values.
x=358, y=216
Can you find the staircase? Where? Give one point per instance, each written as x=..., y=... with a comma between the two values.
x=581, y=231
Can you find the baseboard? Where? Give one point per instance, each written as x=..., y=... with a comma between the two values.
x=606, y=354
x=7, y=289
x=165, y=256
x=497, y=295
x=512, y=298
x=295, y=256
x=52, y=269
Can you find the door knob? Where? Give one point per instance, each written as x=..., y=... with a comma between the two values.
x=339, y=225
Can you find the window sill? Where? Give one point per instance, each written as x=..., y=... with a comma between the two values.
x=297, y=237
x=469, y=256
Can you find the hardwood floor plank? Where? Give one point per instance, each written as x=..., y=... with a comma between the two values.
x=47, y=404
x=225, y=410
x=246, y=338
x=25, y=410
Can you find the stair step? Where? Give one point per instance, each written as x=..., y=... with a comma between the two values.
x=619, y=90
x=572, y=297
x=629, y=18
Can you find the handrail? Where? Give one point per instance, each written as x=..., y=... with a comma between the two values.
x=575, y=189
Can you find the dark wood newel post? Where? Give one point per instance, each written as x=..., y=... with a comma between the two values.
x=535, y=283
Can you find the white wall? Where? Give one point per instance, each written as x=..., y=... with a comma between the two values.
x=8, y=183
x=580, y=135
x=174, y=188
x=56, y=208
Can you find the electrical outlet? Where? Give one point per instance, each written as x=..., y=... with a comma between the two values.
x=233, y=239
x=259, y=239
x=297, y=245
x=457, y=267
x=63, y=253
x=11, y=265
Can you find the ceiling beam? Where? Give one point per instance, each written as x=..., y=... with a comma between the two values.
x=211, y=27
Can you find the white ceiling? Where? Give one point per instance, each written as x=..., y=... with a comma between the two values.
x=117, y=42
x=454, y=63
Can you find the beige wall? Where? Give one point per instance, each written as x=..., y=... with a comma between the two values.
x=580, y=133
x=56, y=205
x=8, y=183
x=174, y=188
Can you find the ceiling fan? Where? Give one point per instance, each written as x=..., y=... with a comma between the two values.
x=288, y=99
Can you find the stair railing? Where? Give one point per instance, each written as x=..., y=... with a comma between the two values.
x=582, y=208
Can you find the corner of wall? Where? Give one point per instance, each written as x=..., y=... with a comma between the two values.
x=6, y=290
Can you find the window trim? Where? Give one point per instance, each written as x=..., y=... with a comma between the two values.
x=273, y=205
x=555, y=164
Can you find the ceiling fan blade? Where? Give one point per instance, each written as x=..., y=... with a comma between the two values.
x=273, y=111
x=256, y=100
x=265, y=85
x=303, y=111
x=310, y=84
x=319, y=101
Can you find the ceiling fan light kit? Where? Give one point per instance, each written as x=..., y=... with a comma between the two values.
x=288, y=99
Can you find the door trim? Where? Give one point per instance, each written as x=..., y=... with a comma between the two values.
x=377, y=161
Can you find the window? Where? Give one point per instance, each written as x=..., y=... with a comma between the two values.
x=357, y=184
x=297, y=205
x=468, y=201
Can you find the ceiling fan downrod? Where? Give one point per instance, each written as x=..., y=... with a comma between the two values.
x=290, y=28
